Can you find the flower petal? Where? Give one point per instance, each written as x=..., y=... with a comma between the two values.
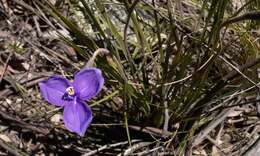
x=53, y=89
x=77, y=117
x=88, y=82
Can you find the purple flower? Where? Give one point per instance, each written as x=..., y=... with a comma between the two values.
x=71, y=95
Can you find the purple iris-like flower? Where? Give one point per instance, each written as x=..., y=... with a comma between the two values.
x=71, y=95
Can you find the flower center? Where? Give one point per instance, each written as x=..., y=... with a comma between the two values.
x=69, y=94
x=70, y=91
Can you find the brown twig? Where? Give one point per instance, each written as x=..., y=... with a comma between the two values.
x=12, y=150
x=212, y=125
x=151, y=130
x=5, y=67
x=253, y=146
x=135, y=147
x=253, y=15
x=94, y=152
x=18, y=122
x=27, y=83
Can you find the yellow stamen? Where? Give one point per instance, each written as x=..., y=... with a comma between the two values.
x=70, y=91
